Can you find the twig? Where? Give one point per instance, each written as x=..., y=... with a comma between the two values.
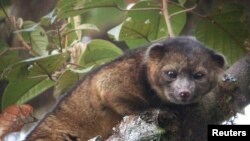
x=197, y=14
x=20, y=39
x=182, y=11
x=29, y=35
x=59, y=38
x=45, y=71
x=17, y=48
x=4, y=51
x=167, y=18
x=12, y=49
x=119, y=8
x=6, y=14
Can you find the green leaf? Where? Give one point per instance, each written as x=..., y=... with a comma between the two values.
x=7, y=58
x=28, y=27
x=136, y=43
x=147, y=24
x=49, y=18
x=70, y=8
x=35, y=91
x=29, y=78
x=66, y=80
x=225, y=31
x=103, y=18
x=133, y=29
x=36, y=36
x=85, y=70
x=71, y=31
x=39, y=67
x=182, y=2
x=87, y=26
x=15, y=89
x=98, y=52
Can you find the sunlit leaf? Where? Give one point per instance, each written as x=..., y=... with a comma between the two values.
x=16, y=89
x=35, y=91
x=35, y=35
x=98, y=52
x=81, y=71
x=135, y=43
x=69, y=8
x=71, y=31
x=49, y=18
x=182, y=2
x=66, y=80
x=38, y=67
x=103, y=18
x=87, y=26
x=147, y=25
x=28, y=27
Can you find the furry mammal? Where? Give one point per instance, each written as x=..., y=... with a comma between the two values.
x=178, y=71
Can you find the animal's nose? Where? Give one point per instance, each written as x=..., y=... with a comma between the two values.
x=184, y=94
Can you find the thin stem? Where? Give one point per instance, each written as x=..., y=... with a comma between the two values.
x=4, y=51
x=45, y=71
x=6, y=14
x=70, y=31
x=60, y=39
x=12, y=49
x=119, y=8
x=167, y=18
x=21, y=40
x=30, y=39
x=182, y=11
x=4, y=11
x=194, y=13
x=138, y=9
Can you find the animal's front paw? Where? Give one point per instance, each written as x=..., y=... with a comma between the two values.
x=168, y=120
x=229, y=78
x=228, y=83
x=150, y=116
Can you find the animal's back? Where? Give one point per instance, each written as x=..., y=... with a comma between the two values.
x=86, y=111
x=177, y=72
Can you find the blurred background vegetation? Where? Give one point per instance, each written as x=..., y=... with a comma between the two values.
x=47, y=46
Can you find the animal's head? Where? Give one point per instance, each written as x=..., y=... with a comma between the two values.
x=182, y=70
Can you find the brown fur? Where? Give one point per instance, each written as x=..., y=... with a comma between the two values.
x=129, y=85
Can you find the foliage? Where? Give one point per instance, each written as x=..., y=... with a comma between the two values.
x=55, y=55
x=228, y=30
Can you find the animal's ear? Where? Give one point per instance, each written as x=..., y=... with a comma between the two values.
x=154, y=52
x=219, y=60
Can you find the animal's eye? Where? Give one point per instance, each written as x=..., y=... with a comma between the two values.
x=198, y=75
x=171, y=74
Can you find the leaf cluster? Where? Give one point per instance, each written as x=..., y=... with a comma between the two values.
x=57, y=53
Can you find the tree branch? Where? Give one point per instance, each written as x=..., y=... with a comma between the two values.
x=182, y=11
x=167, y=18
x=230, y=96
